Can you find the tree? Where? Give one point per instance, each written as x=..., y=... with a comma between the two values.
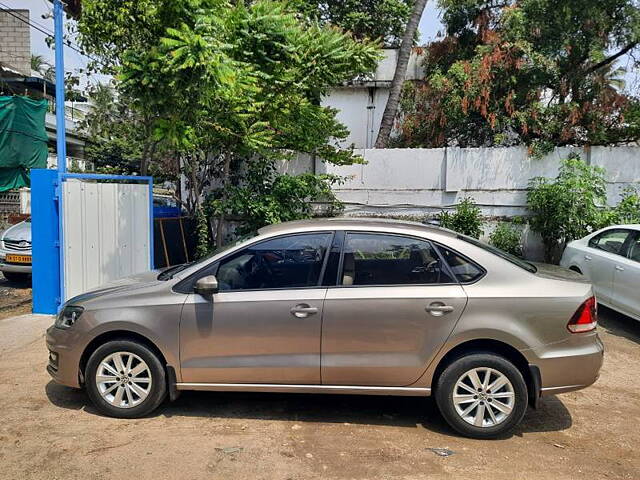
x=382, y=20
x=525, y=72
x=43, y=67
x=226, y=84
x=391, y=108
x=119, y=139
x=567, y=207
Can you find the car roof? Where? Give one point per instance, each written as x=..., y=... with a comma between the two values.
x=630, y=226
x=357, y=223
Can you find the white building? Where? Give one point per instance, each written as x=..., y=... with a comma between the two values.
x=362, y=102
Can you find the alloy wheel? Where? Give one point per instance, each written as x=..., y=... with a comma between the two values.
x=123, y=379
x=483, y=397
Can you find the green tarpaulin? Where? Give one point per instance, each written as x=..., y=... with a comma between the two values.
x=23, y=140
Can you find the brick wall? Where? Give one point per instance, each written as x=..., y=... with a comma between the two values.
x=15, y=42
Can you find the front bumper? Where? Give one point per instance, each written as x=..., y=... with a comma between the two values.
x=64, y=357
x=14, y=267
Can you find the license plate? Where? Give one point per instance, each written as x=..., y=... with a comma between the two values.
x=12, y=258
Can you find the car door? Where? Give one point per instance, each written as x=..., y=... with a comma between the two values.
x=263, y=326
x=626, y=280
x=600, y=256
x=395, y=305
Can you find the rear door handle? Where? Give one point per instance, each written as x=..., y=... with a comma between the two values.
x=587, y=258
x=303, y=310
x=619, y=268
x=438, y=309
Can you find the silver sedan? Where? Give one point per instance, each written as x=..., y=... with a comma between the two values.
x=340, y=306
x=610, y=259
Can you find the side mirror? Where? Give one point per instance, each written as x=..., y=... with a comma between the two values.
x=207, y=285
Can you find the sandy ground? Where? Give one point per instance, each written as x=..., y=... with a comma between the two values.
x=48, y=431
x=15, y=298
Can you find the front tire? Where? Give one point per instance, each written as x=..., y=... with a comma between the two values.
x=125, y=379
x=482, y=395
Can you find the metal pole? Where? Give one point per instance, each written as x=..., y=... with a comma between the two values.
x=61, y=135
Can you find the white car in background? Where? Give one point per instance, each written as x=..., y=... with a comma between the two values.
x=610, y=259
x=15, y=252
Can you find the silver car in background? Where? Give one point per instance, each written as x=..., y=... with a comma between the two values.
x=342, y=306
x=15, y=252
x=610, y=259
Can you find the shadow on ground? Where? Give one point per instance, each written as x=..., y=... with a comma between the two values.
x=408, y=412
x=618, y=324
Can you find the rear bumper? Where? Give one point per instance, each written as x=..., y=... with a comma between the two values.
x=569, y=365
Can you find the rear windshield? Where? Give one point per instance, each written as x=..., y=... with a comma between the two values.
x=502, y=254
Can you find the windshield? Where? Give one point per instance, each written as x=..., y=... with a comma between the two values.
x=171, y=271
x=501, y=253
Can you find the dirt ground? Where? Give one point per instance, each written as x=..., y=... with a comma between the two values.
x=51, y=432
x=15, y=298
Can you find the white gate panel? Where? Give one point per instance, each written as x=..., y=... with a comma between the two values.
x=106, y=233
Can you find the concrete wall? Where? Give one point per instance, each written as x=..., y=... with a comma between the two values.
x=15, y=43
x=424, y=181
x=420, y=183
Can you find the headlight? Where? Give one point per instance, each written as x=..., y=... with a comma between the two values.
x=68, y=316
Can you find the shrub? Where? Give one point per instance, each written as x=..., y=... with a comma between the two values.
x=466, y=218
x=628, y=209
x=567, y=207
x=506, y=237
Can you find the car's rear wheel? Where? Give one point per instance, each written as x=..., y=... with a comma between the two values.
x=125, y=379
x=482, y=395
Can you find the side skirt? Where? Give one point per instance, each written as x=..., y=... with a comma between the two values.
x=334, y=389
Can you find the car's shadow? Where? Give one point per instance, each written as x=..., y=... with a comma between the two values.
x=409, y=412
x=619, y=324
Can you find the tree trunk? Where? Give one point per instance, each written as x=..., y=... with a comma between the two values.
x=225, y=183
x=144, y=161
x=400, y=74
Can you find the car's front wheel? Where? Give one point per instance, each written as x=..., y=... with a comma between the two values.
x=125, y=379
x=482, y=395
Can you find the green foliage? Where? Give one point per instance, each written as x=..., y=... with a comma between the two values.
x=568, y=207
x=376, y=19
x=508, y=238
x=534, y=72
x=628, y=209
x=227, y=85
x=466, y=218
x=202, y=234
x=267, y=198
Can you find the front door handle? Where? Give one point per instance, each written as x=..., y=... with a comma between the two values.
x=302, y=310
x=438, y=309
x=587, y=258
x=619, y=268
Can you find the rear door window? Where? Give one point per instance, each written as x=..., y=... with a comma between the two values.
x=465, y=270
x=380, y=259
x=611, y=241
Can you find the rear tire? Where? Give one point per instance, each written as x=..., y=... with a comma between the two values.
x=125, y=379
x=482, y=395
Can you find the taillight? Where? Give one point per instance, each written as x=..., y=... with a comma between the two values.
x=586, y=317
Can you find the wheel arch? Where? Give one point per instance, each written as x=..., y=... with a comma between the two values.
x=529, y=372
x=105, y=337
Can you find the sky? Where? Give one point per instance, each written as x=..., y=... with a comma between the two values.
x=74, y=61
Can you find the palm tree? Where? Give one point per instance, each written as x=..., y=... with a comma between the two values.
x=400, y=74
x=39, y=64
